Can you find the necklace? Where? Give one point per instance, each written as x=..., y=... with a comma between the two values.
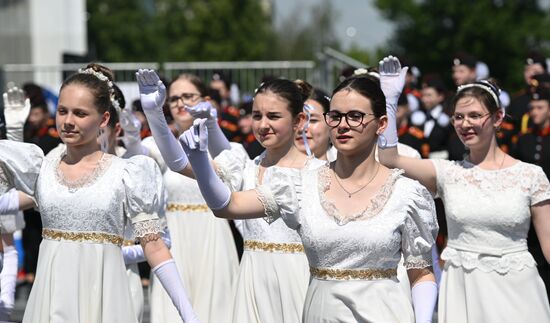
x=502, y=162
x=361, y=188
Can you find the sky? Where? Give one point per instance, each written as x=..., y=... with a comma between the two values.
x=358, y=21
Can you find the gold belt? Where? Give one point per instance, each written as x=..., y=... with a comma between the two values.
x=95, y=237
x=173, y=207
x=352, y=274
x=127, y=243
x=273, y=247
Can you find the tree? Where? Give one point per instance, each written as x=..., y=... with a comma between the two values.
x=498, y=32
x=176, y=30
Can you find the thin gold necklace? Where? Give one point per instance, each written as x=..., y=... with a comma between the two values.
x=361, y=188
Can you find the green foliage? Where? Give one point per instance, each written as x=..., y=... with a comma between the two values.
x=498, y=32
x=178, y=30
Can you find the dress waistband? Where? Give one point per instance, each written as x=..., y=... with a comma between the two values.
x=94, y=237
x=177, y=207
x=499, y=252
x=352, y=274
x=273, y=247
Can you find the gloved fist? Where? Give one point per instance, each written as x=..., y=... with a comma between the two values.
x=16, y=107
x=392, y=79
x=195, y=138
x=203, y=110
x=152, y=90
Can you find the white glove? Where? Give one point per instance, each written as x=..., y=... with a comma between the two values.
x=132, y=133
x=153, y=93
x=8, y=279
x=217, y=142
x=213, y=190
x=424, y=296
x=167, y=273
x=392, y=80
x=16, y=112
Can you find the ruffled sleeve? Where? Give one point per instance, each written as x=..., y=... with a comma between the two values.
x=419, y=229
x=230, y=165
x=440, y=166
x=540, y=187
x=20, y=165
x=281, y=197
x=154, y=152
x=144, y=195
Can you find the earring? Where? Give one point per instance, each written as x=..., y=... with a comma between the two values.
x=382, y=141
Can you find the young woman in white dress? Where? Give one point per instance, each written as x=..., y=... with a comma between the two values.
x=355, y=217
x=273, y=275
x=202, y=245
x=489, y=198
x=83, y=195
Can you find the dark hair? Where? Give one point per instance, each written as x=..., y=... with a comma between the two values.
x=321, y=97
x=295, y=93
x=479, y=93
x=193, y=79
x=435, y=82
x=119, y=97
x=35, y=94
x=214, y=95
x=220, y=76
x=101, y=91
x=42, y=106
x=368, y=87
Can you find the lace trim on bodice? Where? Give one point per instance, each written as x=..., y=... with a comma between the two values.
x=377, y=201
x=102, y=166
x=271, y=210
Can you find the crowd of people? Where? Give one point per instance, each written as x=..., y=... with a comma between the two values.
x=388, y=200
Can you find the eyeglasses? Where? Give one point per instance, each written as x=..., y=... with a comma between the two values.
x=353, y=118
x=473, y=118
x=184, y=97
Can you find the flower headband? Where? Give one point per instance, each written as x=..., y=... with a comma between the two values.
x=105, y=79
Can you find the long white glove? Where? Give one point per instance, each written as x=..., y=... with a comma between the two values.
x=153, y=93
x=131, y=138
x=195, y=143
x=9, y=202
x=392, y=80
x=217, y=142
x=16, y=112
x=8, y=279
x=134, y=254
x=424, y=296
x=167, y=272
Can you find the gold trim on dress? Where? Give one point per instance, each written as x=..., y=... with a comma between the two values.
x=173, y=207
x=95, y=237
x=128, y=243
x=273, y=247
x=351, y=274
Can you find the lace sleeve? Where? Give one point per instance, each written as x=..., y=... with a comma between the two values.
x=440, y=166
x=419, y=229
x=230, y=166
x=540, y=187
x=20, y=165
x=144, y=195
x=281, y=195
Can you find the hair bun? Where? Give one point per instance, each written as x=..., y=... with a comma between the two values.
x=306, y=90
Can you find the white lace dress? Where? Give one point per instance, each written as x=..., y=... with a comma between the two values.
x=81, y=274
x=203, y=248
x=489, y=275
x=353, y=259
x=274, y=274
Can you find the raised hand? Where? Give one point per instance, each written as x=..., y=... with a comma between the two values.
x=203, y=110
x=195, y=138
x=128, y=121
x=16, y=112
x=392, y=78
x=151, y=89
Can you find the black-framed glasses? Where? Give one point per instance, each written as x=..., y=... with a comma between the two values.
x=184, y=97
x=353, y=118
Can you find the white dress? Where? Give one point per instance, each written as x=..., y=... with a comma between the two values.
x=274, y=273
x=353, y=259
x=489, y=275
x=81, y=274
x=203, y=248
